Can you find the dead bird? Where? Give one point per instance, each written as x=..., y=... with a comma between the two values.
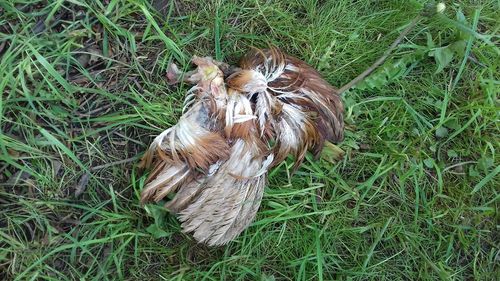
x=216, y=158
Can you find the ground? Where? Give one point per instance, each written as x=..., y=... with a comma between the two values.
x=415, y=196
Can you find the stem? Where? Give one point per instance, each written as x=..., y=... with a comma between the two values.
x=381, y=59
x=124, y=161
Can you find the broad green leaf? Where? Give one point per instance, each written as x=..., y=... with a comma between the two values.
x=452, y=153
x=443, y=57
x=485, y=163
x=430, y=42
x=158, y=213
x=458, y=47
x=429, y=162
x=441, y=132
x=157, y=232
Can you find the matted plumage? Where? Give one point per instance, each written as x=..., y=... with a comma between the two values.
x=232, y=132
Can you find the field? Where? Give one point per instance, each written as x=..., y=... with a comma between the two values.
x=414, y=197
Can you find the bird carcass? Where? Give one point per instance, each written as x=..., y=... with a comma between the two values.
x=232, y=132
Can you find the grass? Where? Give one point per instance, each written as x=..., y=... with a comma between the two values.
x=83, y=93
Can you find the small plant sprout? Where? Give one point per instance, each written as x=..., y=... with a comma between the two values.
x=440, y=7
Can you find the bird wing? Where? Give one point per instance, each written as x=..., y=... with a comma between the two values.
x=186, y=151
x=301, y=107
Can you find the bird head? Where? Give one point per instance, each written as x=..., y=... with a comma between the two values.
x=208, y=77
x=207, y=69
x=248, y=81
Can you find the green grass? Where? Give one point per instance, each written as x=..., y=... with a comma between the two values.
x=83, y=92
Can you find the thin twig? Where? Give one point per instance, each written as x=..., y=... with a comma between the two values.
x=381, y=59
x=458, y=165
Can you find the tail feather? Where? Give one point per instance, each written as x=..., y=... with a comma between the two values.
x=227, y=204
x=185, y=195
x=247, y=213
x=168, y=180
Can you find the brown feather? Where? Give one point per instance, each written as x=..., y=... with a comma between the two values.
x=291, y=81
